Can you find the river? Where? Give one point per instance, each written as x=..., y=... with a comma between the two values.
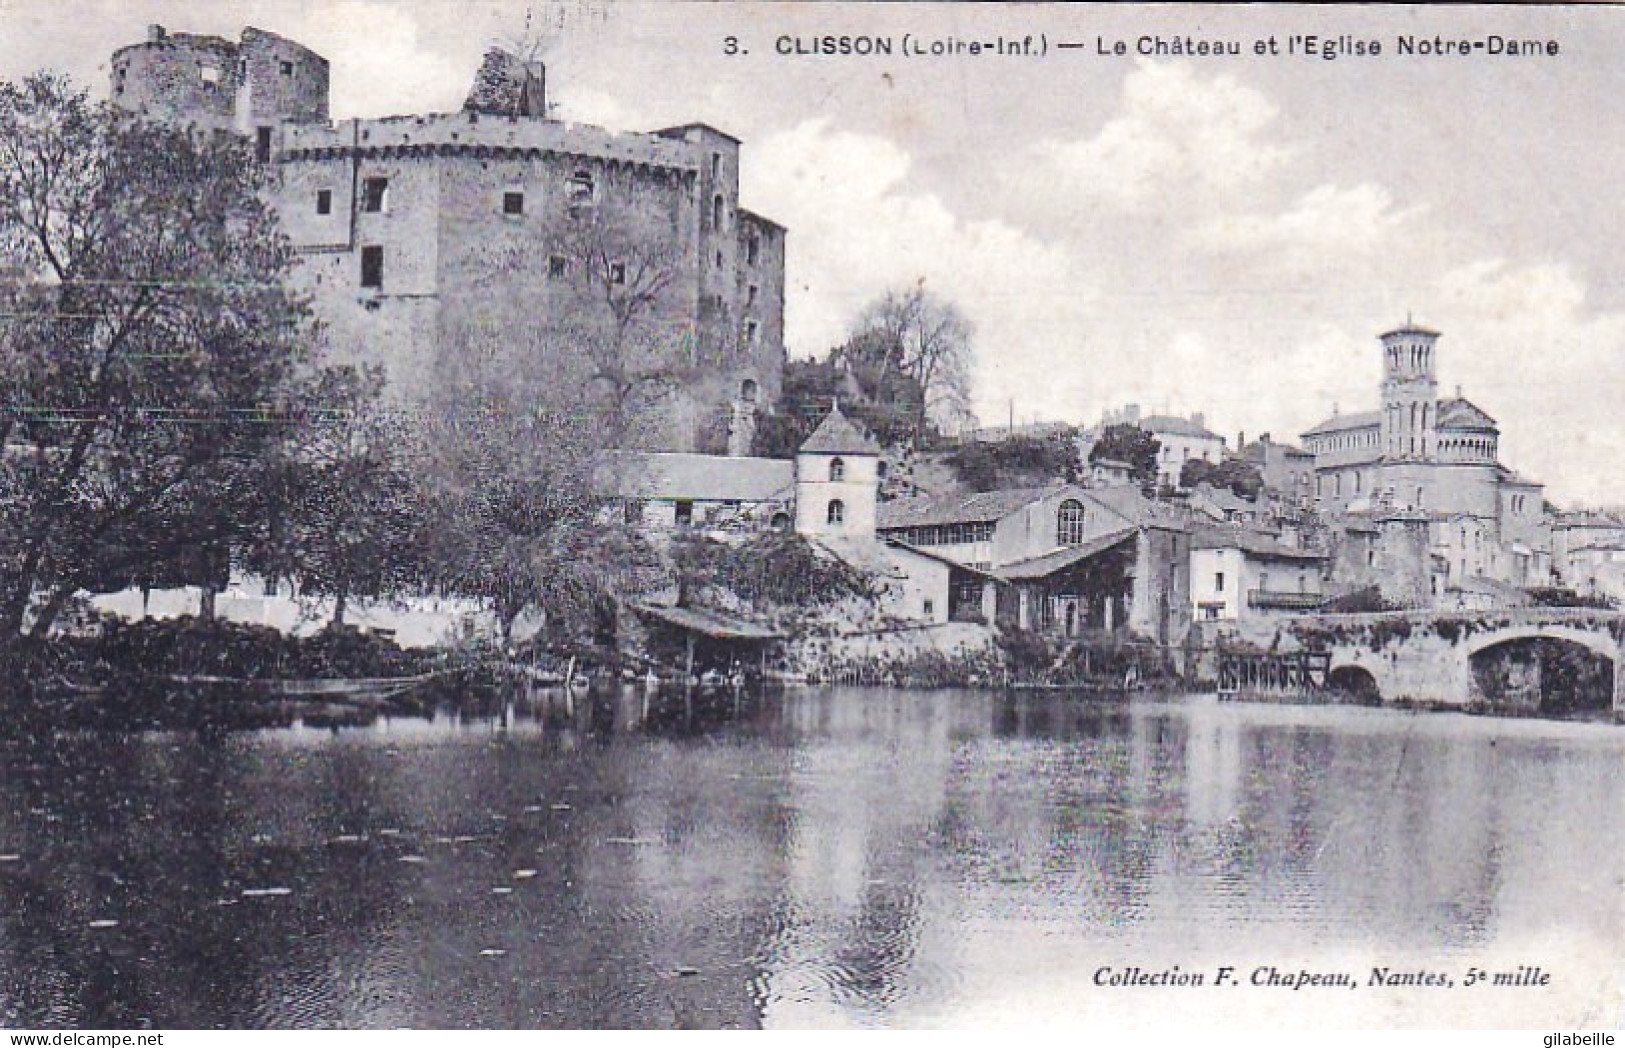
x=823, y=858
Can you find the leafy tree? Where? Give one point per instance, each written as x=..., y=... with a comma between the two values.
x=345, y=504
x=1020, y=461
x=1238, y=475
x=149, y=345
x=766, y=571
x=808, y=389
x=1128, y=443
x=513, y=512
x=924, y=339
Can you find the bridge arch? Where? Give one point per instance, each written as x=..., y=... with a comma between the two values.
x=1599, y=641
x=1543, y=690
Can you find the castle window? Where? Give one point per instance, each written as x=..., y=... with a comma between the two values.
x=837, y=469
x=557, y=267
x=1069, y=520
x=750, y=296
x=747, y=391
x=719, y=266
x=579, y=188
x=287, y=68
x=262, y=144
x=617, y=272
x=930, y=606
x=324, y=201
x=716, y=166
x=372, y=267
x=751, y=331
x=1218, y=582
x=837, y=512
x=716, y=212
x=684, y=512
x=513, y=203
x=375, y=195
x=753, y=248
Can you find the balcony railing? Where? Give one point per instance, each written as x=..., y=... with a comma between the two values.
x=1262, y=598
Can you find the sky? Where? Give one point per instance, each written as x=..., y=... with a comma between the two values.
x=1223, y=234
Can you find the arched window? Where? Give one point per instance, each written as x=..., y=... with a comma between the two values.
x=837, y=512
x=837, y=470
x=747, y=391
x=1069, y=523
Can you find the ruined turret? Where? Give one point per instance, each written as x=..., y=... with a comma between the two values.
x=507, y=85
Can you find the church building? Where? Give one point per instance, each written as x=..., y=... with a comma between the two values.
x=1422, y=453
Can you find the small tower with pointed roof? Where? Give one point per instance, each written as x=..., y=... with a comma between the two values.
x=837, y=480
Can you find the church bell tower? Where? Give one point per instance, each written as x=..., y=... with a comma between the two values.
x=1410, y=393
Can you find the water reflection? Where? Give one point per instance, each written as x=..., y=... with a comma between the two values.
x=822, y=857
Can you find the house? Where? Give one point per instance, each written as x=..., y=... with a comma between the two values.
x=663, y=490
x=1240, y=572
x=1222, y=505
x=1288, y=471
x=1108, y=472
x=1065, y=559
x=1182, y=439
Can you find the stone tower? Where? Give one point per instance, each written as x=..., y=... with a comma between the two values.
x=1410, y=393
x=837, y=481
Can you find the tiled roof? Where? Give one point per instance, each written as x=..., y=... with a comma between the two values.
x=1061, y=559
x=1459, y=413
x=1225, y=499
x=957, y=507
x=837, y=435
x=1341, y=423
x=1175, y=426
x=701, y=478
x=1452, y=413
x=1250, y=541
x=930, y=554
x=1128, y=502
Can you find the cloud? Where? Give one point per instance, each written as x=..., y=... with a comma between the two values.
x=1529, y=349
x=381, y=63
x=1324, y=228
x=860, y=226
x=1177, y=134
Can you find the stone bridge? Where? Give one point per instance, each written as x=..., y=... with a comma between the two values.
x=1427, y=658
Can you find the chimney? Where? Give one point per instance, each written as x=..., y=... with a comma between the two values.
x=155, y=33
x=1131, y=413
x=1198, y=420
x=1241, y=439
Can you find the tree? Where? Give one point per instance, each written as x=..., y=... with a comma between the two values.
x=808, y=389
x=149, y=346
x=1128, y=443
x=1020, y=461
x=621, y=277
x=1238, y=475
x=345, y=506
x=513, y=511
x=916, y=335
